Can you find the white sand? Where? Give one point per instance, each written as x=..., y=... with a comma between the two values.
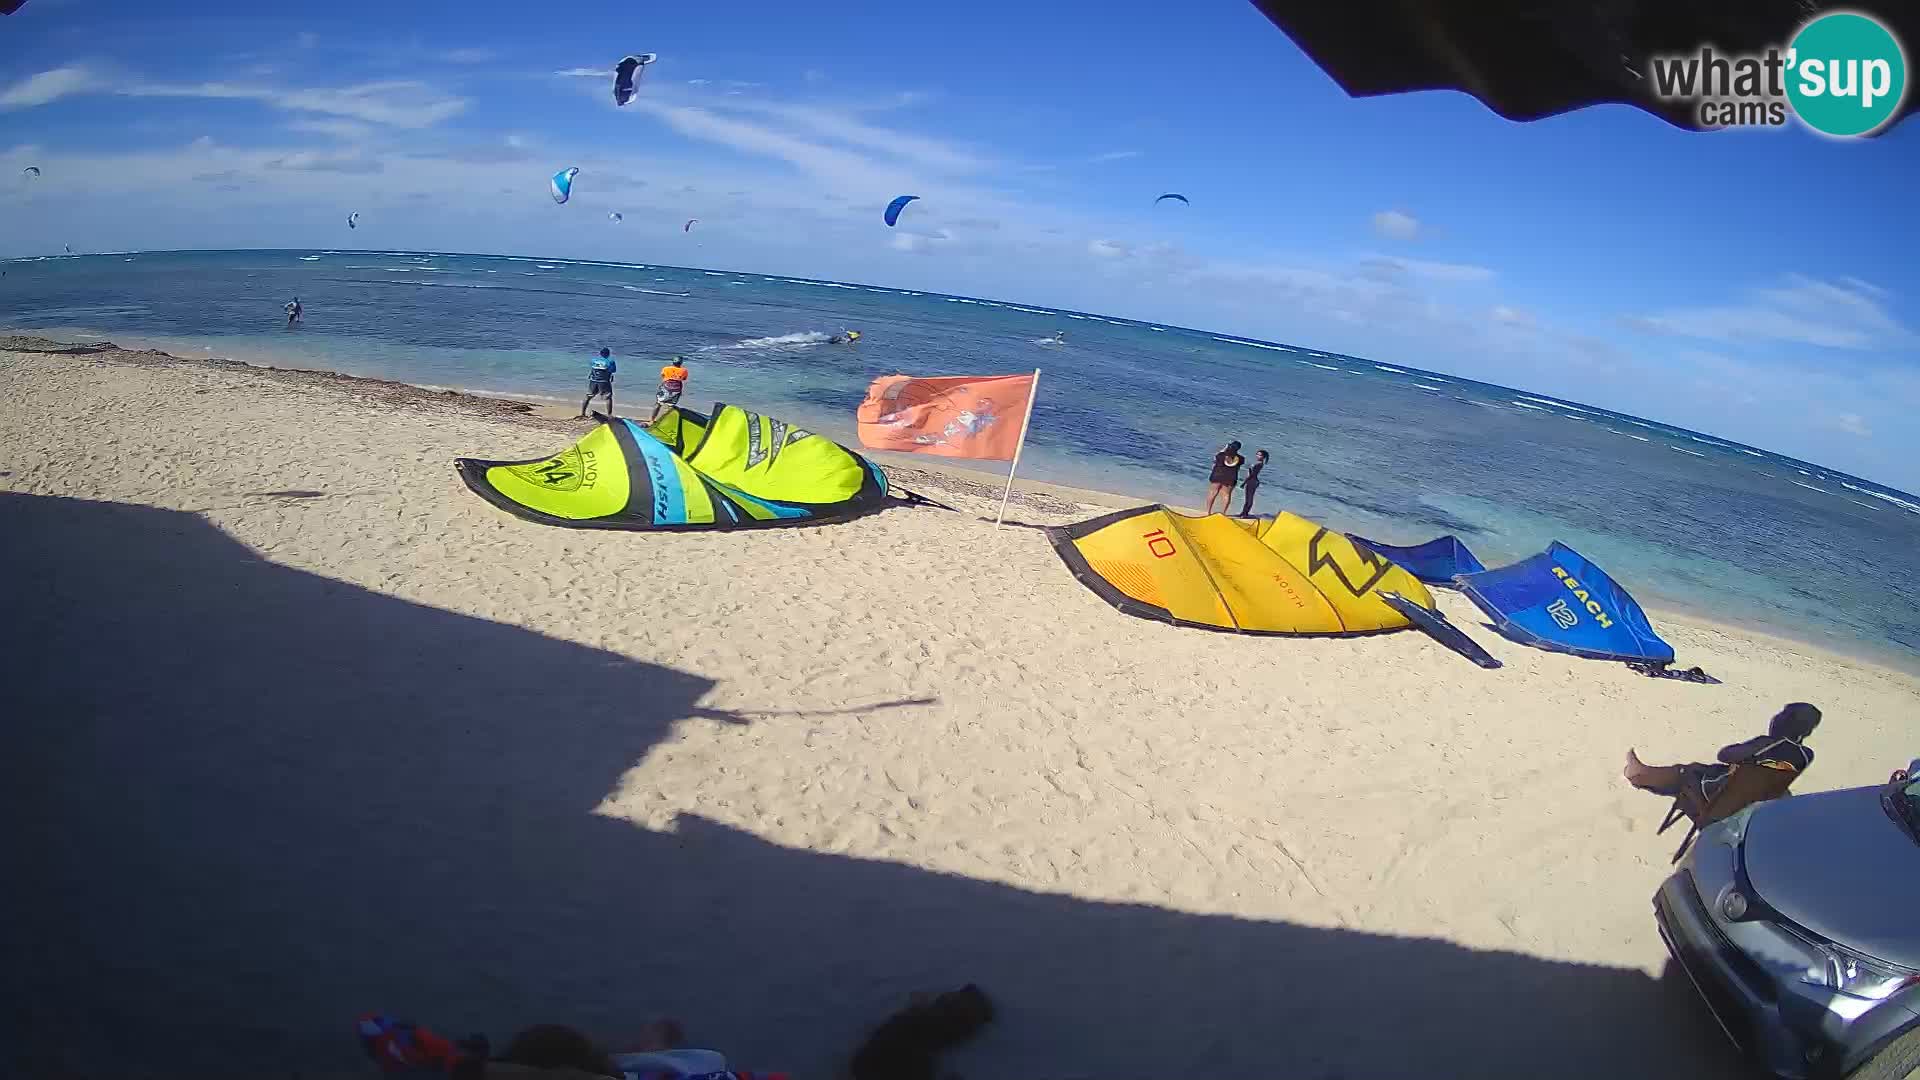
x=284, y=758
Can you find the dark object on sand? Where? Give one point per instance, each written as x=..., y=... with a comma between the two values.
x=1662, y=671
x=905, y=1046
x=1526, y=60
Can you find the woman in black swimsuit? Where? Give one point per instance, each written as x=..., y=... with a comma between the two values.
x=1225, y=476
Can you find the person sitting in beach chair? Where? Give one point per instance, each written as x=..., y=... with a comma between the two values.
x=673, y=382
x=1761, y=768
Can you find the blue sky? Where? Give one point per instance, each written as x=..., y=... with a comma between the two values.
x=1756, y=285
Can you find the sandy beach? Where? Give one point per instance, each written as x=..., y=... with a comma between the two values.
x=300, y=728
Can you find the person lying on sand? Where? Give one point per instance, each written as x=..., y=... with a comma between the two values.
x=1782, y=747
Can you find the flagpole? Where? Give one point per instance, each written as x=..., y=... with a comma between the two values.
x=1032, y=393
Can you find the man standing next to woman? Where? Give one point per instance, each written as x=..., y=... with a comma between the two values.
x=1253, y=481
x=1225, y=477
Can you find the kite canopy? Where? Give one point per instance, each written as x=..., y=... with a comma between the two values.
x=626, y=73
x=353, y=220
x=1171, y=195
x=563, y=184
x=1436, y=562
x=1560, y=602
x=893, y=208
x=1526, y=60
x=734, y=470
x=1281, y=575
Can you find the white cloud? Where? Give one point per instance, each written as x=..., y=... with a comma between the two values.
x=1108, y=249
x=1509, y=316
x=347, y=130
x=1393, y=265
x=834, y=126
x=1397, y=225
x=921, y=243
x=585, y=73
x=1114, y=155
x=318, y=161
x=1800, y=310
x=1852, y=424
x=47, y=86
x=400, y=104
x=821, y=161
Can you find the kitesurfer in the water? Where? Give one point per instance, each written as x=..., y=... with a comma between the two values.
x=845, y=337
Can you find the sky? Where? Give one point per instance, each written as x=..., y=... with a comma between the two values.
x=1756, y=285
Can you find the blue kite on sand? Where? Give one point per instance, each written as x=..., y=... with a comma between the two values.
x=1559, y=601
x=1436, y=562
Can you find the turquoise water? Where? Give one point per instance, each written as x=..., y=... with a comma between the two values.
x=1682, y=519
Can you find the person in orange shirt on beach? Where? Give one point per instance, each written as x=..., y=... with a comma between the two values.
x=673, y=381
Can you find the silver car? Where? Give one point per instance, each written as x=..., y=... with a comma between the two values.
x=1798, y=921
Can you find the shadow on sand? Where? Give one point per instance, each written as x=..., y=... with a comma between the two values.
x=244, y=803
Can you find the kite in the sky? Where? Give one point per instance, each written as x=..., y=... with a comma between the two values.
x=563, y=184
x=691, y=222
x=893, y=208
x=1171, y=195
x=31, y=170
x=615, y=216
x=626, y=76
x=353, y=220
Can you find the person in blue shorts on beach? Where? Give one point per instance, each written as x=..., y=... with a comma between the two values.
x=600, y=381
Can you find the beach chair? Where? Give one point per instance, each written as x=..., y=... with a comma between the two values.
x=1746, y=785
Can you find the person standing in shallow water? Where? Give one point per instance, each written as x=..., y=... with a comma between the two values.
x=1253, y=481
x=1225, y=477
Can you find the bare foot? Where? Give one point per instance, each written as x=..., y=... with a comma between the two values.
x=1635, y=767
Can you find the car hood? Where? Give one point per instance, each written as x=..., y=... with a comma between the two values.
x=1836, y=864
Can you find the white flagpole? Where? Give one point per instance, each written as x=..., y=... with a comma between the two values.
x=1032, y=393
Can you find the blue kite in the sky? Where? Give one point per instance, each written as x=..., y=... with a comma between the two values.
x=1171, y=195
x=893, y=208
x=563, y=184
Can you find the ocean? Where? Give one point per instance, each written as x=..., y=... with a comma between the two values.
x=1686, y=521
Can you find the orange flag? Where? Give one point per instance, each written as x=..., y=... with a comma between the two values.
x=954, y=416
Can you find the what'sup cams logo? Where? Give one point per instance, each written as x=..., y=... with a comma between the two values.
x=1843, y=74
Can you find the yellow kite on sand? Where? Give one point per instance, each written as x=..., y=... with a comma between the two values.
x=1279, y=575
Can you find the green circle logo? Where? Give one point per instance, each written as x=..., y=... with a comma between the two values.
x=1846, y=74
